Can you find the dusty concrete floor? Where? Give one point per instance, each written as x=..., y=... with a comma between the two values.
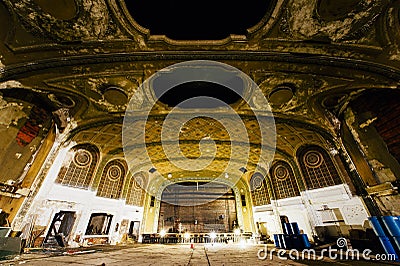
x=179, y=254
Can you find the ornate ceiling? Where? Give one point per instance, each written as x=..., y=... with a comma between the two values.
x=309, y=58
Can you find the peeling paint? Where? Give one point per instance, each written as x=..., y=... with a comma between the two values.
x=92, y=22
x=368, y=122
x=384, y=173
x=10, y=113
x=2, y=66
x=395, y=56
x=11, y=84
x=369, y=149
x=303, y=21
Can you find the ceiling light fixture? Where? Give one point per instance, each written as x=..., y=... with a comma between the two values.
x=243, y=170
x=152, y=170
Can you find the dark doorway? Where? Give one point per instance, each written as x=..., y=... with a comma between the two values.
x=134, y=230
x=99, y=224
x=60, y=228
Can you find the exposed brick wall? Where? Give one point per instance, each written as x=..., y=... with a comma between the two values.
x=385, y=105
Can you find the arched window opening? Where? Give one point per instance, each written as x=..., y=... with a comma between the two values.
x=82, y=164
x=318, y=168
x=112, y=180
x=283, y=181
x=136, y=193
x=259, y=190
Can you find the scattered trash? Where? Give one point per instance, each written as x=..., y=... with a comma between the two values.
x=76, y=252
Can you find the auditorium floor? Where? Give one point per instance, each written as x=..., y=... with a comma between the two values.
x=178, y=254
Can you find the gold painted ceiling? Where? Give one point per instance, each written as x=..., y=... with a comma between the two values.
x=309, y=58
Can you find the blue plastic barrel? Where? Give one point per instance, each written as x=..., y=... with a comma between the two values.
x=392, y=225
x=398, y=220
x=295, y=228
x=276, y=240
x=396, y=240
x=288, y=228
x=288, y=241
x=284, y=228
x=297, y=242
x=304, y=239
x=376, y=225
x=387, y=246
x=282, y=243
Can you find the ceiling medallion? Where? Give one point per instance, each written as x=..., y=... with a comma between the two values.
x=136, y=185
x=281, y=95
x=61, y=100
x=138, y=180
x=256, y=181
x=82, y=158
x=114, y=172
x=281, y=172
x=313, y=159
x=115, y=95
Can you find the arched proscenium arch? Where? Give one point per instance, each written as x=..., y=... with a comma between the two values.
x=236, y=187
x=134, y=133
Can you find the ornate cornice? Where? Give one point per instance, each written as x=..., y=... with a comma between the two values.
x=13, y=71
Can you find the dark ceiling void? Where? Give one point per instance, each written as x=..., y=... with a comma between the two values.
x=198, y=20
x=191, y=95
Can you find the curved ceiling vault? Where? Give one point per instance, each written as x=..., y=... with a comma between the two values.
x=310, y=59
